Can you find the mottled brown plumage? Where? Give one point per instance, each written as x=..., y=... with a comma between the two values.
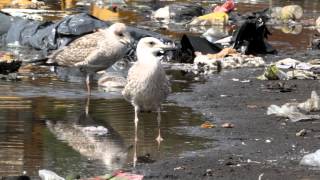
x=96, y=51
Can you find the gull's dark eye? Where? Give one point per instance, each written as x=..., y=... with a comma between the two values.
x=120, y=34
x=151, y=43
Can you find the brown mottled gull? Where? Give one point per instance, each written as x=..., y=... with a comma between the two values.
x=147, y=85
x=94, y=52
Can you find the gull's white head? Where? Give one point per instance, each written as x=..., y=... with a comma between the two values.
x=121, y=33
x=150, y=49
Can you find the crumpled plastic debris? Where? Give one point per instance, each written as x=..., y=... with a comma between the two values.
x=207, y=125
x=292, y=110
x=312, y=104
x=312, y=159
x=49, y=175
x=286, y=13
x=98, y=130
x=211, y=63
x=215, y=18
x=178, y=12
x=288, y=63
x=226, y=7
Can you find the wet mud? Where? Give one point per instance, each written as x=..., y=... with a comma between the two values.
x=258, y=143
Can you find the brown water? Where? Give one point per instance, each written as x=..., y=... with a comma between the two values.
x=42, y=120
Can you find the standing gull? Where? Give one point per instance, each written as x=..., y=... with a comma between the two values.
x=147, y=85
x=94, y=52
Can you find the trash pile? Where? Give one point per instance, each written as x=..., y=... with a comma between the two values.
x=292, y=111
x=227, y=58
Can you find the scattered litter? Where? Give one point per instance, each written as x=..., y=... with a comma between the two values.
x=250, y=161
x=311, y=104
x=207, y=124
x=179, y=168
x=272, y=72
x=223, y=95
x=49, y=175
x=291, y=110
x=312, y=159
x=98, y=131
x=302, y=132
x=227, y=125
x=268, y=141
x=288, y=63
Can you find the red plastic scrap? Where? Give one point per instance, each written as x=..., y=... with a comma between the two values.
x=118, y=175
x=226, y=7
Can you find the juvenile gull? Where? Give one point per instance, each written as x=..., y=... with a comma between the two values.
x=147, y=85
x=94, y=52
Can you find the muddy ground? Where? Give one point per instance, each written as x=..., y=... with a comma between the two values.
x=258, y=145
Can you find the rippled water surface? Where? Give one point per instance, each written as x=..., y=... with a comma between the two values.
x=42, y=121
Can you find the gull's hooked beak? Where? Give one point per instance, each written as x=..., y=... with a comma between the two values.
x=167, y=47
x=164, y=48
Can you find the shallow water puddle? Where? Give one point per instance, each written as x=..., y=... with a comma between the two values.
x=42, y=125
x=42, y=121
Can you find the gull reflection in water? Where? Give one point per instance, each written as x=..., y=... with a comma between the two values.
x=96, y=142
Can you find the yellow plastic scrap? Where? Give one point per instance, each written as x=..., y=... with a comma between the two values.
x=293, y=12
x=6, y=57
x=207, y=125
x=215, y=17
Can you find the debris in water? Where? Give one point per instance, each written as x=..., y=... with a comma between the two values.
x=207, y=124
